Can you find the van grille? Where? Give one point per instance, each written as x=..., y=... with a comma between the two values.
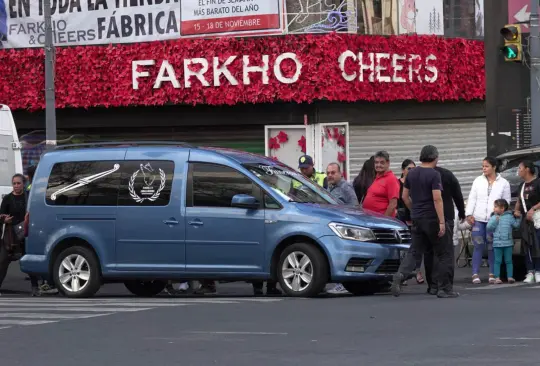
x=388, y=236
x=388, y=266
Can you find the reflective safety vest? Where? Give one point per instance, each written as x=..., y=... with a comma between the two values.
x=319, y=178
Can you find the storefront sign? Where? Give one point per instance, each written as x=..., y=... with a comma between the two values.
x=88, y=22
x=230, y=17
x=228, y=71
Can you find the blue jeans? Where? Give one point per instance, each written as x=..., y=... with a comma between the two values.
x=481, y=238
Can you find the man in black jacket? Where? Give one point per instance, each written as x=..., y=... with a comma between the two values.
x=451, y=194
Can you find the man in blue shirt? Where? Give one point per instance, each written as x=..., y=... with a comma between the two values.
x=429, y=229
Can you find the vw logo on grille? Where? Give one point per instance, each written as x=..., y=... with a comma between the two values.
x=398, y=236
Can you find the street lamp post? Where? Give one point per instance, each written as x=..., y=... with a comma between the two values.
x=50, y=103
x=534, y=44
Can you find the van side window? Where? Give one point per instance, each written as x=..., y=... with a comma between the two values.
x=215, y=185
x=84, y=183
x=146, y=183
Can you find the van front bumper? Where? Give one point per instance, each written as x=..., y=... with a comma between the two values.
x=34, y=264
x=362, y=261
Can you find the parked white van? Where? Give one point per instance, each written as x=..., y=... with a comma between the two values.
x=10, y=150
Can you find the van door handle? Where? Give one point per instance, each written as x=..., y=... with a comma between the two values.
x=196, y=223
x=171, y=221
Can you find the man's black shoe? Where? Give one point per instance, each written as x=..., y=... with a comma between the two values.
x=447, y=295
x=432, y=291
x=395, y=288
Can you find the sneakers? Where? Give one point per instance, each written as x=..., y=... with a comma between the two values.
x=492, y=279
x=530, y=278
x=338, y=290
x=511, y=280
x=499, y=282
x=476, y=279
x=537, y=277
x=396, y=284
x=447, y=294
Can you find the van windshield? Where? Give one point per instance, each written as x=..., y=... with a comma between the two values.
x=291, y=184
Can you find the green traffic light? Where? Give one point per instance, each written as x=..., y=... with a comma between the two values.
x=510, y=52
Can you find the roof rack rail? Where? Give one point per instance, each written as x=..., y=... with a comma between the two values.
x=125, y=143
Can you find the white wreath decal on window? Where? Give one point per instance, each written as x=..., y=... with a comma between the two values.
x=154, y=197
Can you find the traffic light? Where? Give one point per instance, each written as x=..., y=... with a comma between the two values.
x=512, y=49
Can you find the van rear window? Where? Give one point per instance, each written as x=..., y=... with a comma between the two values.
x=85, y=183
x=111, y=183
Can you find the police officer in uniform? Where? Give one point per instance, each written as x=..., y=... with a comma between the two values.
x=306, y=166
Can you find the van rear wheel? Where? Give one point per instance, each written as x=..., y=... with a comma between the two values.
x=302, y=270
x=145, y=288
x=76, y=272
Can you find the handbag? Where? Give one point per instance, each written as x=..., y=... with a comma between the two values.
x=536, y=215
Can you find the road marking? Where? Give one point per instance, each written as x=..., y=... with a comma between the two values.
x=242, y=333
x=67, y=304
x=520, y=339
x=5, y=327
x=80, y=309
x=25, y=322
x=534, y=287
x=50, y=316
x=495, y=287
x=167, y=302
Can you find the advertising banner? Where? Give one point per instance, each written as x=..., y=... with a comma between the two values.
x=231, y=17
x=88, y=22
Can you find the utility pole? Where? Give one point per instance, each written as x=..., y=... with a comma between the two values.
x=534, y=44
x=50, y=100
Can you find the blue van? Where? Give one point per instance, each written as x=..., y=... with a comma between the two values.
x=143, y=213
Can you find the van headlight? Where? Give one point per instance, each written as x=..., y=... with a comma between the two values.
x=350, y=232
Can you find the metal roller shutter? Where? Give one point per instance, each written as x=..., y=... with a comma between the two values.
x=461, y=144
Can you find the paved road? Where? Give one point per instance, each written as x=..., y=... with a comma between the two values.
x=487, y=325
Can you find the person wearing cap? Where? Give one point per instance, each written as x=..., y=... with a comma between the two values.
x=306, y=166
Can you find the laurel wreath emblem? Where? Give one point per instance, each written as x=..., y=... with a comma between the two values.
x=136, y=197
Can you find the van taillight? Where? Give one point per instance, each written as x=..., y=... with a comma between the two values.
x=26, y=224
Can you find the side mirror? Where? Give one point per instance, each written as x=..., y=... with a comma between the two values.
x=245, y=201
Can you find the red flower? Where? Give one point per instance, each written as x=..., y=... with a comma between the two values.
x=93, y=76
x=273, y=143
x=282, y=137
x=341, y=157
x=336, y=132
x=302, y=144
x=341, y=140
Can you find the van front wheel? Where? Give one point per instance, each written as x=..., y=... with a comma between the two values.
x=76, y=272
x=145, y=288
x=302, y=270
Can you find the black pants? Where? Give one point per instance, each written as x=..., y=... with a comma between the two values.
x=429, y=258
x=4, y=266
x=258, y=285
x=425, y=239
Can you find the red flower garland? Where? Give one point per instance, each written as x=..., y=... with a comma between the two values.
x=274, y=143
x=302, y=144
x=93, y=76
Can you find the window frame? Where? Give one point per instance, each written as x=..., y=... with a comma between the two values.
x=257, y=191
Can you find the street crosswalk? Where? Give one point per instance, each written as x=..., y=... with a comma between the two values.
x=502, y=286
x=25, y=311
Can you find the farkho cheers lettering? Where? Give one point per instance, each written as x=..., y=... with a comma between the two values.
x=167, y=73
x=372, y=67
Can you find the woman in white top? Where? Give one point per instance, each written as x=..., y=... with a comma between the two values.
x=486, y=189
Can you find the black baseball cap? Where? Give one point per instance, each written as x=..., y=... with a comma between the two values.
x=305, y=161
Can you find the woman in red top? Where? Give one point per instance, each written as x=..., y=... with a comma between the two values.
x=382, y=196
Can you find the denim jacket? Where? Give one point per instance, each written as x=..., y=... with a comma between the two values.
x=502, y=229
